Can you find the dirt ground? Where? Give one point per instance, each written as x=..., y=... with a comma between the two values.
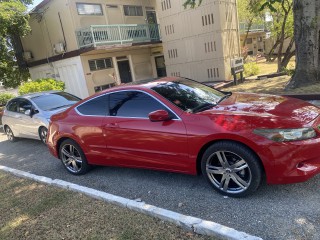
x=272, y=86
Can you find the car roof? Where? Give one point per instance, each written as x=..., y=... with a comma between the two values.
x=32, y=95
x=146, y=83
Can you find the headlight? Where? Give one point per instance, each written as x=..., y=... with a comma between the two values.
x=282, y=135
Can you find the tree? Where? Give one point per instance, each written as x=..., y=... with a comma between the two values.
x=281, y=30
x=13, y=21
x=249, y=14
x=306, y=34
x=307, y=40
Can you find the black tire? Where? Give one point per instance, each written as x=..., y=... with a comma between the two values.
x=73, y=158
x=10, y=134
x=43, y=132
x=232, y=169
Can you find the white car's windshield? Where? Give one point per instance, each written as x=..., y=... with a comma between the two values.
x=52, y=101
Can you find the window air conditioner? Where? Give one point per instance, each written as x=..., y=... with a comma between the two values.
x=27, y=56
x=59, y=48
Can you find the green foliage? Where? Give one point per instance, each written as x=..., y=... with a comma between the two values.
x=14, y=21
x=192, y=3
x=269, y=4
x=39, y=85
x=251, y=69
x=5, y=97
x=289, y=71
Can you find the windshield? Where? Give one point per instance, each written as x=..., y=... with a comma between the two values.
x=52, y=101
x=189, y=95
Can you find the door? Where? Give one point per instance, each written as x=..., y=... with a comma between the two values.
x=11, y=116
x=124, y=71
x=151, y=17
x=27, y=125
x=133, y=140
x=160, y=66
x=153, y=25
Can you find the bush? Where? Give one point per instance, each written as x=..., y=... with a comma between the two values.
x=40, y=85
x=289, y=71
x=5, y=97
x=251, y=69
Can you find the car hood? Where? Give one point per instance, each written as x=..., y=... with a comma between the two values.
x=267, y=110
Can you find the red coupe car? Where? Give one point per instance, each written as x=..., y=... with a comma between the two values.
x=179, y=125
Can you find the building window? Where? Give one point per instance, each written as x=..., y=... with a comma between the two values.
x=103, y=87
x=207, y=19
x=89, y=9
x=165, y=4
x=132, y=10
x=249, y=41
x=98, y=64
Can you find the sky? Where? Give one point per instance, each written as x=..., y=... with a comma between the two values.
x=35, y=3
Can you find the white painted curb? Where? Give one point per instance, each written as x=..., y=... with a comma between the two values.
x=197, y=225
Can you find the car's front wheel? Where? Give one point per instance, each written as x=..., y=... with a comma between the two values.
x=73, y=157
x=10, y=134
x=43, y=132
x=231, y=168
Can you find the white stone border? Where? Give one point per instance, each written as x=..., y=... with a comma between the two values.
x=196, y=225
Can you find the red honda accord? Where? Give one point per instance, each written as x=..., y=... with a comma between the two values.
x=179, y=125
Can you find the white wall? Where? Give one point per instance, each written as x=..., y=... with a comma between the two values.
x=69, y=71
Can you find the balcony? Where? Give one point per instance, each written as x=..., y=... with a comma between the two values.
x=254, y=28
x=97, y=35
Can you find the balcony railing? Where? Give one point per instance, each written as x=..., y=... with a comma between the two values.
x=254, y=28
x=97, y=35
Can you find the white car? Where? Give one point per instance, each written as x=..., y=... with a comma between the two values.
x=28, y=116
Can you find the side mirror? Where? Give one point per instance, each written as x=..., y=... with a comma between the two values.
x=27, y=112
x=159, y=116
x=33, y=112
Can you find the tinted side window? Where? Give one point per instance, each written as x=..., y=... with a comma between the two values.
x=13, y=106
x=133, y=104
x=24, y=105
x=95, y=107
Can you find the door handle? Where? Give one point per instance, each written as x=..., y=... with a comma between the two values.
x=112, y=125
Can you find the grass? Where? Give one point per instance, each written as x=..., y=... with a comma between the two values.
x=31, y=210
x=274, y=85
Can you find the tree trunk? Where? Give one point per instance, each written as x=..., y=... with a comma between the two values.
x=270, y=55
x=306, y=33
x=282, y=34
x=288, y=54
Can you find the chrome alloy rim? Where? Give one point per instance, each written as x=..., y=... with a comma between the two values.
x=43, y=134
x=71, y=158
x=9, y=134
x=228, y=172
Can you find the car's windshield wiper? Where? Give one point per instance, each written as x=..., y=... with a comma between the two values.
x=224, y=97
x=203, y=107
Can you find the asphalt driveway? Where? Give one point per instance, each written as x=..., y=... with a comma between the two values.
x=273, y=212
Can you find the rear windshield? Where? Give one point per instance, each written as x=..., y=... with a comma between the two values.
x=53, y=101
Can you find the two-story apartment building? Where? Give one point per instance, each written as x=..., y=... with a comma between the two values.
x=93, y=45
x=199, y=43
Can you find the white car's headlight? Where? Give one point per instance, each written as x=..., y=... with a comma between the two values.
x=282, y=135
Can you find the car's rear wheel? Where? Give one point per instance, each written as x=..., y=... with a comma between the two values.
x=232, y=169
x=43, y=132
x=10, y=134
x=73, y=157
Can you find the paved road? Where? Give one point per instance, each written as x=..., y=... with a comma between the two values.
x=274, y=212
